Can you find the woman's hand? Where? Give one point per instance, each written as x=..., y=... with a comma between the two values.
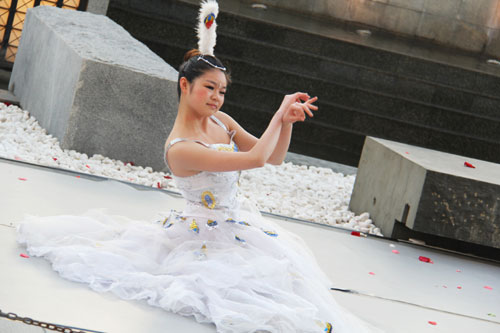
x=295, y=107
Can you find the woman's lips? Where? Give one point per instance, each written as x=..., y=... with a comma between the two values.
x=213, y=106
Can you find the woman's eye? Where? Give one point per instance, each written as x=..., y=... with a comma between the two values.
x=209, y=87
x=222, y=92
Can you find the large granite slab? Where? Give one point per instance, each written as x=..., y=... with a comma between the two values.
x=93, y=86
x=428, y=191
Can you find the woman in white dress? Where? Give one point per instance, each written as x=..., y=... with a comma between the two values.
x=219, y=260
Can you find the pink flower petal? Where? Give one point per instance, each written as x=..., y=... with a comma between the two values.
x=488, y=287
x=432, y=323
x=395, y=251
x=425, y=259
x=21, y=178
x=459, y=287
x=371, y=273
x=24, y=255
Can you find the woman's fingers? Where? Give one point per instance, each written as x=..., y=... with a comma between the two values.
x=301, y=96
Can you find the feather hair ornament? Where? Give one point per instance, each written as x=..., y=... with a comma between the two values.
x=206, y=27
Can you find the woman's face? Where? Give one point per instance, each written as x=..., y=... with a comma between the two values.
x=206, y=93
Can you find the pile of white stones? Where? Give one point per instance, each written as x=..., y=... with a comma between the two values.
x=304, y=192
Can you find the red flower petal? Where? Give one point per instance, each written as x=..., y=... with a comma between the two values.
x=425, y=259
x=55, y=159
x=467, y=164
x=158, y=185
x=432, y=323
x=371, y=273
x=77, y=176
x=21, y=178
x=24, y=255
x=87, y=166
x=395, y=251
x=459, y=287
x=488, y=287
x=167, y=177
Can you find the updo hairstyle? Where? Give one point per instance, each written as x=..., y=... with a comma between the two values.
x=191, y=68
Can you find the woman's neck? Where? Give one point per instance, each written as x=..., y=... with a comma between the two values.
x=191, y=121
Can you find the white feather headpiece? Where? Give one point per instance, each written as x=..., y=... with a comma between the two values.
x=206, y=27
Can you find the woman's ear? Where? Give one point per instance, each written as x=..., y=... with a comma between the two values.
x=184, y=84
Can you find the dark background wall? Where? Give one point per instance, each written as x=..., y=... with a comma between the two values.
x=364, y=89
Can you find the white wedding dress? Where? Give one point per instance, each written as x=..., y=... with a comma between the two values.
x=219, y=260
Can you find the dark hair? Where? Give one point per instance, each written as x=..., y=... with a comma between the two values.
x=191, y=68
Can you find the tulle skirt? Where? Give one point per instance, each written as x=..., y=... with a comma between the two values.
x=234, y=268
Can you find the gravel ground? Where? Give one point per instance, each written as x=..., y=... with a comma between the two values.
x=306, y=192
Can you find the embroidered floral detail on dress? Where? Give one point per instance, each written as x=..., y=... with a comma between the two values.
x=194, y=226
x=270, y=233
x=208, y=199
x=244, y=223
x=328, y=328
x=241, y=240
x=230, y=220
x=222, y=148
x=211, y=224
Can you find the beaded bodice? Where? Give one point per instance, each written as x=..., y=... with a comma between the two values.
x=212, y=190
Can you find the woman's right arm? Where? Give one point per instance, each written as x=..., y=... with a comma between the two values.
x=191, y=156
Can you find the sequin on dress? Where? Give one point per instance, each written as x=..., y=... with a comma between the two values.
x=219, y=260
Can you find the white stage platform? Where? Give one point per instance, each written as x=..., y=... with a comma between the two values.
x=406, y=294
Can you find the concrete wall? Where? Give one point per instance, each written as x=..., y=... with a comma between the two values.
x=94, y=87
x=473, y=25
x=98, y=6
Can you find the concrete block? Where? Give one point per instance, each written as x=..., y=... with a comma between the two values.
x=93, y=86
x=493, y=46
x=470, y=37
x=367, y=12
x=438, y=28
x=400, y=20
x=417, y=5
x=97, y=6
x=448, y=8
x=479, y=12
x=428, y=191
x=332, y=8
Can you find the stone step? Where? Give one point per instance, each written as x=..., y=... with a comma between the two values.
x=363, y=90
x=264, y=95
x=481, y=79
x=353, y=76
x=328, y=141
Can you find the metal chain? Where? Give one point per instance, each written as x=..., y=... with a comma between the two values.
x=49, y=326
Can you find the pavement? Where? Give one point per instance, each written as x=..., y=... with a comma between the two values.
x=390, y=287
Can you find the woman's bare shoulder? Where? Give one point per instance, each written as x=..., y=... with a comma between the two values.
x=226, y=119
